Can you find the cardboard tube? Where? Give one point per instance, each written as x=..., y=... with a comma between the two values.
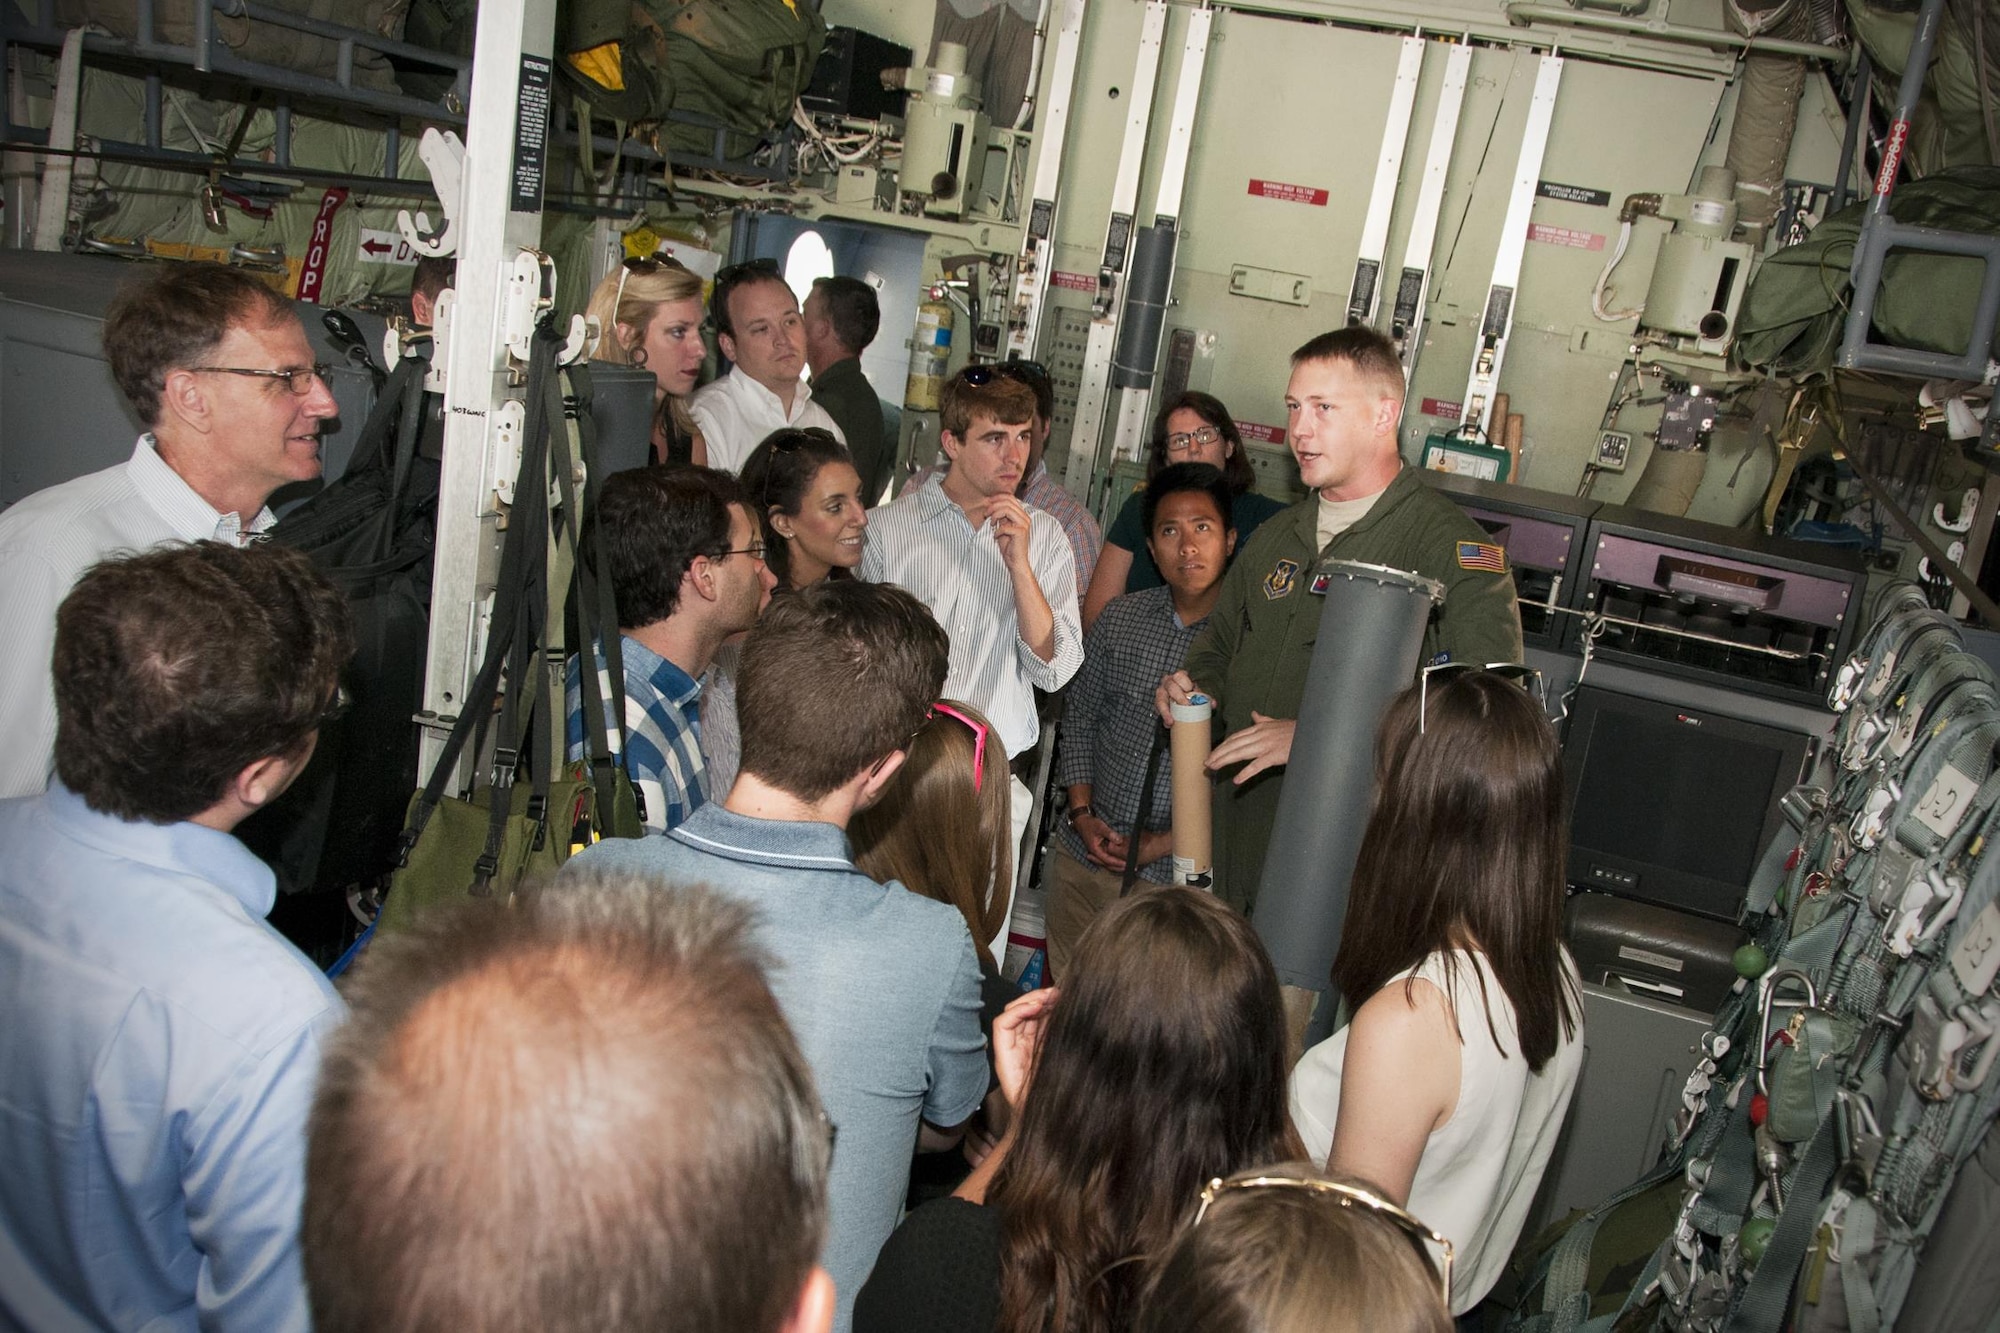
x=1194, y=860
x=1511, y=439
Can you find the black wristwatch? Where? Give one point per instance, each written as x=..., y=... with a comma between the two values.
x=1076, y=812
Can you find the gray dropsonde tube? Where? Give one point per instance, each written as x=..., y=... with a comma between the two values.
x=1371, y=632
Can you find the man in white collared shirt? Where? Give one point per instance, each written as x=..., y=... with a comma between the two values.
x=218, y=367
x=997, y=573
x=758, y=326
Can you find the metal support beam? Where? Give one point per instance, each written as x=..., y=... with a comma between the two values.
x=1092, y=394
x=1038, y=247
x=1138, y=348
x=497, y=217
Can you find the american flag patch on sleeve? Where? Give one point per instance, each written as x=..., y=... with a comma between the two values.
x=1482, y=555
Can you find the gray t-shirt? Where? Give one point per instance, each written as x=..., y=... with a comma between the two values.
x=880, y=986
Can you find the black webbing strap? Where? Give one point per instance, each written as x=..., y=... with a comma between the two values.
x=1160, y=735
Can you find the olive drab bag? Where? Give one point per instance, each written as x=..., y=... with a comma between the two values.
x=525, y=814
x=740, y=64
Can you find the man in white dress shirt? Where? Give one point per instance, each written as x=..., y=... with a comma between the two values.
x=997, y=573
x=218, y=367
x=759, y=328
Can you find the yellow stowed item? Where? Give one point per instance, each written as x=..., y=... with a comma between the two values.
x=603, y=65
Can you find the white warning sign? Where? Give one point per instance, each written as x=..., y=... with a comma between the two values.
x=385, y=247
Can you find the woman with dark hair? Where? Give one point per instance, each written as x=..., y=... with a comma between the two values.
x=1193, y=428
x=808, y=495
x=805, y=491
x=1160, y=1068
x=650, y=314
x=1449, y=1087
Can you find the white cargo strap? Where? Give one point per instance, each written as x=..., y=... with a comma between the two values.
x=1406, y=322
x=1364, y=294
x=52, y=210
x=1497, y=319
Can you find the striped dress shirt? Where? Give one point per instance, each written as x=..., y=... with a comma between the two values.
x=926, y=544
x=47, y=541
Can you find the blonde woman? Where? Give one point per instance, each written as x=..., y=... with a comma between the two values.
x=1284, y=1249
x=651, y=315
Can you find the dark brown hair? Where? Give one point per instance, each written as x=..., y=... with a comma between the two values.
x=937, y=836
x=835, y=678
x=778, y=474
x=1163, y=1065
x=655, y=521
x=853, y=309
x=1236, y=469
x=1464, y=849
x=174, y=319
x=1280, y=1259
x=177, y=669
x=451, y=1182
x=1369, y=351
x=1006, y=399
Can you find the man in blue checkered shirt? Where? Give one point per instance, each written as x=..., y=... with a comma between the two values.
x=686, y=564
x=1108, y=720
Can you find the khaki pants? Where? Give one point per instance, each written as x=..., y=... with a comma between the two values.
x=1077, y=893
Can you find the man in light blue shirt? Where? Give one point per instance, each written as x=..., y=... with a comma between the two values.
x=161, y=1040
x=881, y=986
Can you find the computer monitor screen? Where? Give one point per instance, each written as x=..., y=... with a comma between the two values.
x=1672, y=804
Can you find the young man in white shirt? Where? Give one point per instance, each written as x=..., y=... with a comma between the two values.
x=998, y=574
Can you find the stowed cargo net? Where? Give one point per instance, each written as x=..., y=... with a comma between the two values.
x=1852, y=1072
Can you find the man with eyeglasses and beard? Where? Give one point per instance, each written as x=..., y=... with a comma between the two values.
x=686, y=567
x=217, y=366
x=759, y=328
x=161, y=1039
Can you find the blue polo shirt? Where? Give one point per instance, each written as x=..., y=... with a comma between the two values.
x=159, y=1043
x=880, y=986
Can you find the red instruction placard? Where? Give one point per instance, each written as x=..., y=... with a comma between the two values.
x=1292, y=194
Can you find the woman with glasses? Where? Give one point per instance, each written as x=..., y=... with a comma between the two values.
x=1193, y=428
x=807, y=496
x=651, y=315
x=1287, y=1250
x=1449, y=1086
x=1161, y=1067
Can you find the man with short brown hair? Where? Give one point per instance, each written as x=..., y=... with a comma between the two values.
x=218, y=367
x=1343, y=403
x=583, y=1114
x=881, y=985
x=998, y=574
x=161, y=1039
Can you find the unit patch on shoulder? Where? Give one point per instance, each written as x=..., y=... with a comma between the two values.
x=1280, y=581
x=1482, y=556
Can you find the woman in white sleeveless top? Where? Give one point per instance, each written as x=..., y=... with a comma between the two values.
x=1448, y=1088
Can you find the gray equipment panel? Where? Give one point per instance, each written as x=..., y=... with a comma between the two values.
x=1637, y=1054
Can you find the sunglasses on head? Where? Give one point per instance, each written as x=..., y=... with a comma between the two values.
x=1031, y=373
x=644, y=268
x=789, y=441
x=980, y=731
x=1529, y=677
x=1347, y=1196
